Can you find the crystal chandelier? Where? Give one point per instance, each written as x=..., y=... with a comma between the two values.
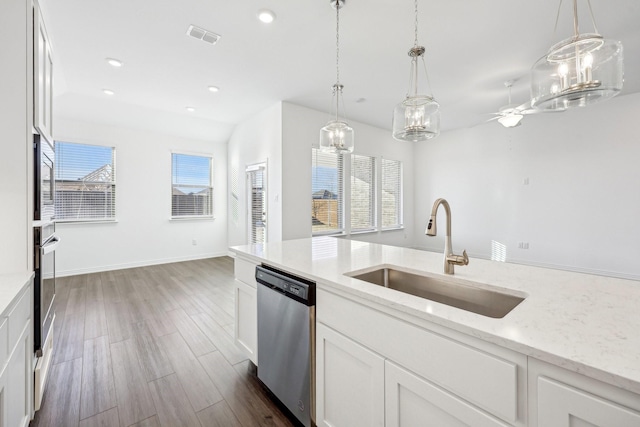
x=337, y=135
x=417, y=118
x=578, y=71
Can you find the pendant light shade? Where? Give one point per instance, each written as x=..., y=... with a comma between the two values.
x=576, y=72
x=417, y=118
x=337, y=136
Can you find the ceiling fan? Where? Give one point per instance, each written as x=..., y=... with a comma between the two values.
x=511, y=115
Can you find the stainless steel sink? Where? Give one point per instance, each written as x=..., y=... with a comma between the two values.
x=456, y=293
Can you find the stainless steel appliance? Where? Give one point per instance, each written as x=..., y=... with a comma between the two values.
x=44, y=179
x=286, y=340
x=44, y=262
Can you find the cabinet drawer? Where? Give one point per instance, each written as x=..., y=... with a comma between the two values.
x=18, y=317
x=245, y=271
x=486, y=380
x=560, y=405
x=4, y=342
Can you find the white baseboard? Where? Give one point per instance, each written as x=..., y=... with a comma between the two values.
x=134, y=264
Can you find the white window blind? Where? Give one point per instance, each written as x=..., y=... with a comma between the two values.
x=363, y=192
x=256, y=177
x=85, y=182
x=391, y=193
x=327, y=192
x=192, y=188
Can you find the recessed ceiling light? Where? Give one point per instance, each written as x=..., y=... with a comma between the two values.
x=191, y=109
x=108, y=92
x=213, y=89
x=361, y=100
x=267, y=16
x=114, y=62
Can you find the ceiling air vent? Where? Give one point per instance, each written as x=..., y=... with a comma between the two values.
x=202, y=34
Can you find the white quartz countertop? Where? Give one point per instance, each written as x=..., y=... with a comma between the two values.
x=585, y=323
x=11, y=285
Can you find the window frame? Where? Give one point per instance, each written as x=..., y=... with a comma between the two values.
x=377, y=194
x=210, y=187
x=112, y=183
x=400, y=197
x=341, y=191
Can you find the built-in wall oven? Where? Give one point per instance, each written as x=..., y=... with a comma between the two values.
x=44, y=261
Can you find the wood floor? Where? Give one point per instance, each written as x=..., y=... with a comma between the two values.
x=152, y=346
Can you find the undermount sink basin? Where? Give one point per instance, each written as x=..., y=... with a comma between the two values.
x=455, y=293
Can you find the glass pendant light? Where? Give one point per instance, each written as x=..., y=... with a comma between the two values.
x=417, y=118
x=579, y=71
x=337, y=136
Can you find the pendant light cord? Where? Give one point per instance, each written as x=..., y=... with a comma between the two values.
x=415, y=40
x=337, y=42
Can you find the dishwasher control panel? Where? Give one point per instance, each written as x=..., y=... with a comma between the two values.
x=296, y=287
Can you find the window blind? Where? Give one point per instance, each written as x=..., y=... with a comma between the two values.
x=327, y=192
x=258, y=205
x=191, y=189
x=391, y=193
x=85, y=182
x=363, y=192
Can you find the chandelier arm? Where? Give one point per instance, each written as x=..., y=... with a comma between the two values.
x=555, y=27
x=593, y=19
x=576, y=30
x=426, y=72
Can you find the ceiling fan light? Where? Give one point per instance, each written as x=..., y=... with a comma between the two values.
x=511, y=120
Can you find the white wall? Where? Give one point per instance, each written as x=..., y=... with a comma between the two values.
x=143, y=233
x=256, y=140
x=580, y=208
x=16, y=157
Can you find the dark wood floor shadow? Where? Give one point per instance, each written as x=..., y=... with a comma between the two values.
x=152, y=347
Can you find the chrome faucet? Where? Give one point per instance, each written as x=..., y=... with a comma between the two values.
x=450, y=259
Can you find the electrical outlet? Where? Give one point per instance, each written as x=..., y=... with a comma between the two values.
x=523, y=245
x=194, y=242
x=525, y=181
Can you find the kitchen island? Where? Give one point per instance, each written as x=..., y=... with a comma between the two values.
x=575, y=337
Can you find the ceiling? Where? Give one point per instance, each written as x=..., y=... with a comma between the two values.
x=472, y=48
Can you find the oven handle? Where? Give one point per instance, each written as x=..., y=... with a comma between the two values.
x=50, y=246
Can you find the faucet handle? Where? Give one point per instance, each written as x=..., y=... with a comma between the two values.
x=458, y=259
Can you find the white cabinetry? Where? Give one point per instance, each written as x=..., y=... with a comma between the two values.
x=349, y=382
x=246, y=309
x=431, y=371
x=16, y=353
x=560, y=398
x=412, y=401
x=43, y=78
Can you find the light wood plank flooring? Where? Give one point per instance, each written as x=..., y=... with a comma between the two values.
x=152, y=346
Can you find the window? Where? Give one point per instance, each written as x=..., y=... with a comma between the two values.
x=191, y=189
x=391, y=194
x=85, y=182
x=363, y=192
x=326, y=192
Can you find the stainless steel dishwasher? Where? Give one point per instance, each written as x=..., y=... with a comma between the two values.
x=286, y=340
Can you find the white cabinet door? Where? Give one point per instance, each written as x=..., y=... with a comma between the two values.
x=560, y=405
x=349, y=382
x=19, y=380
x=246, y=323
x=412, y=401
x=43, y=76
